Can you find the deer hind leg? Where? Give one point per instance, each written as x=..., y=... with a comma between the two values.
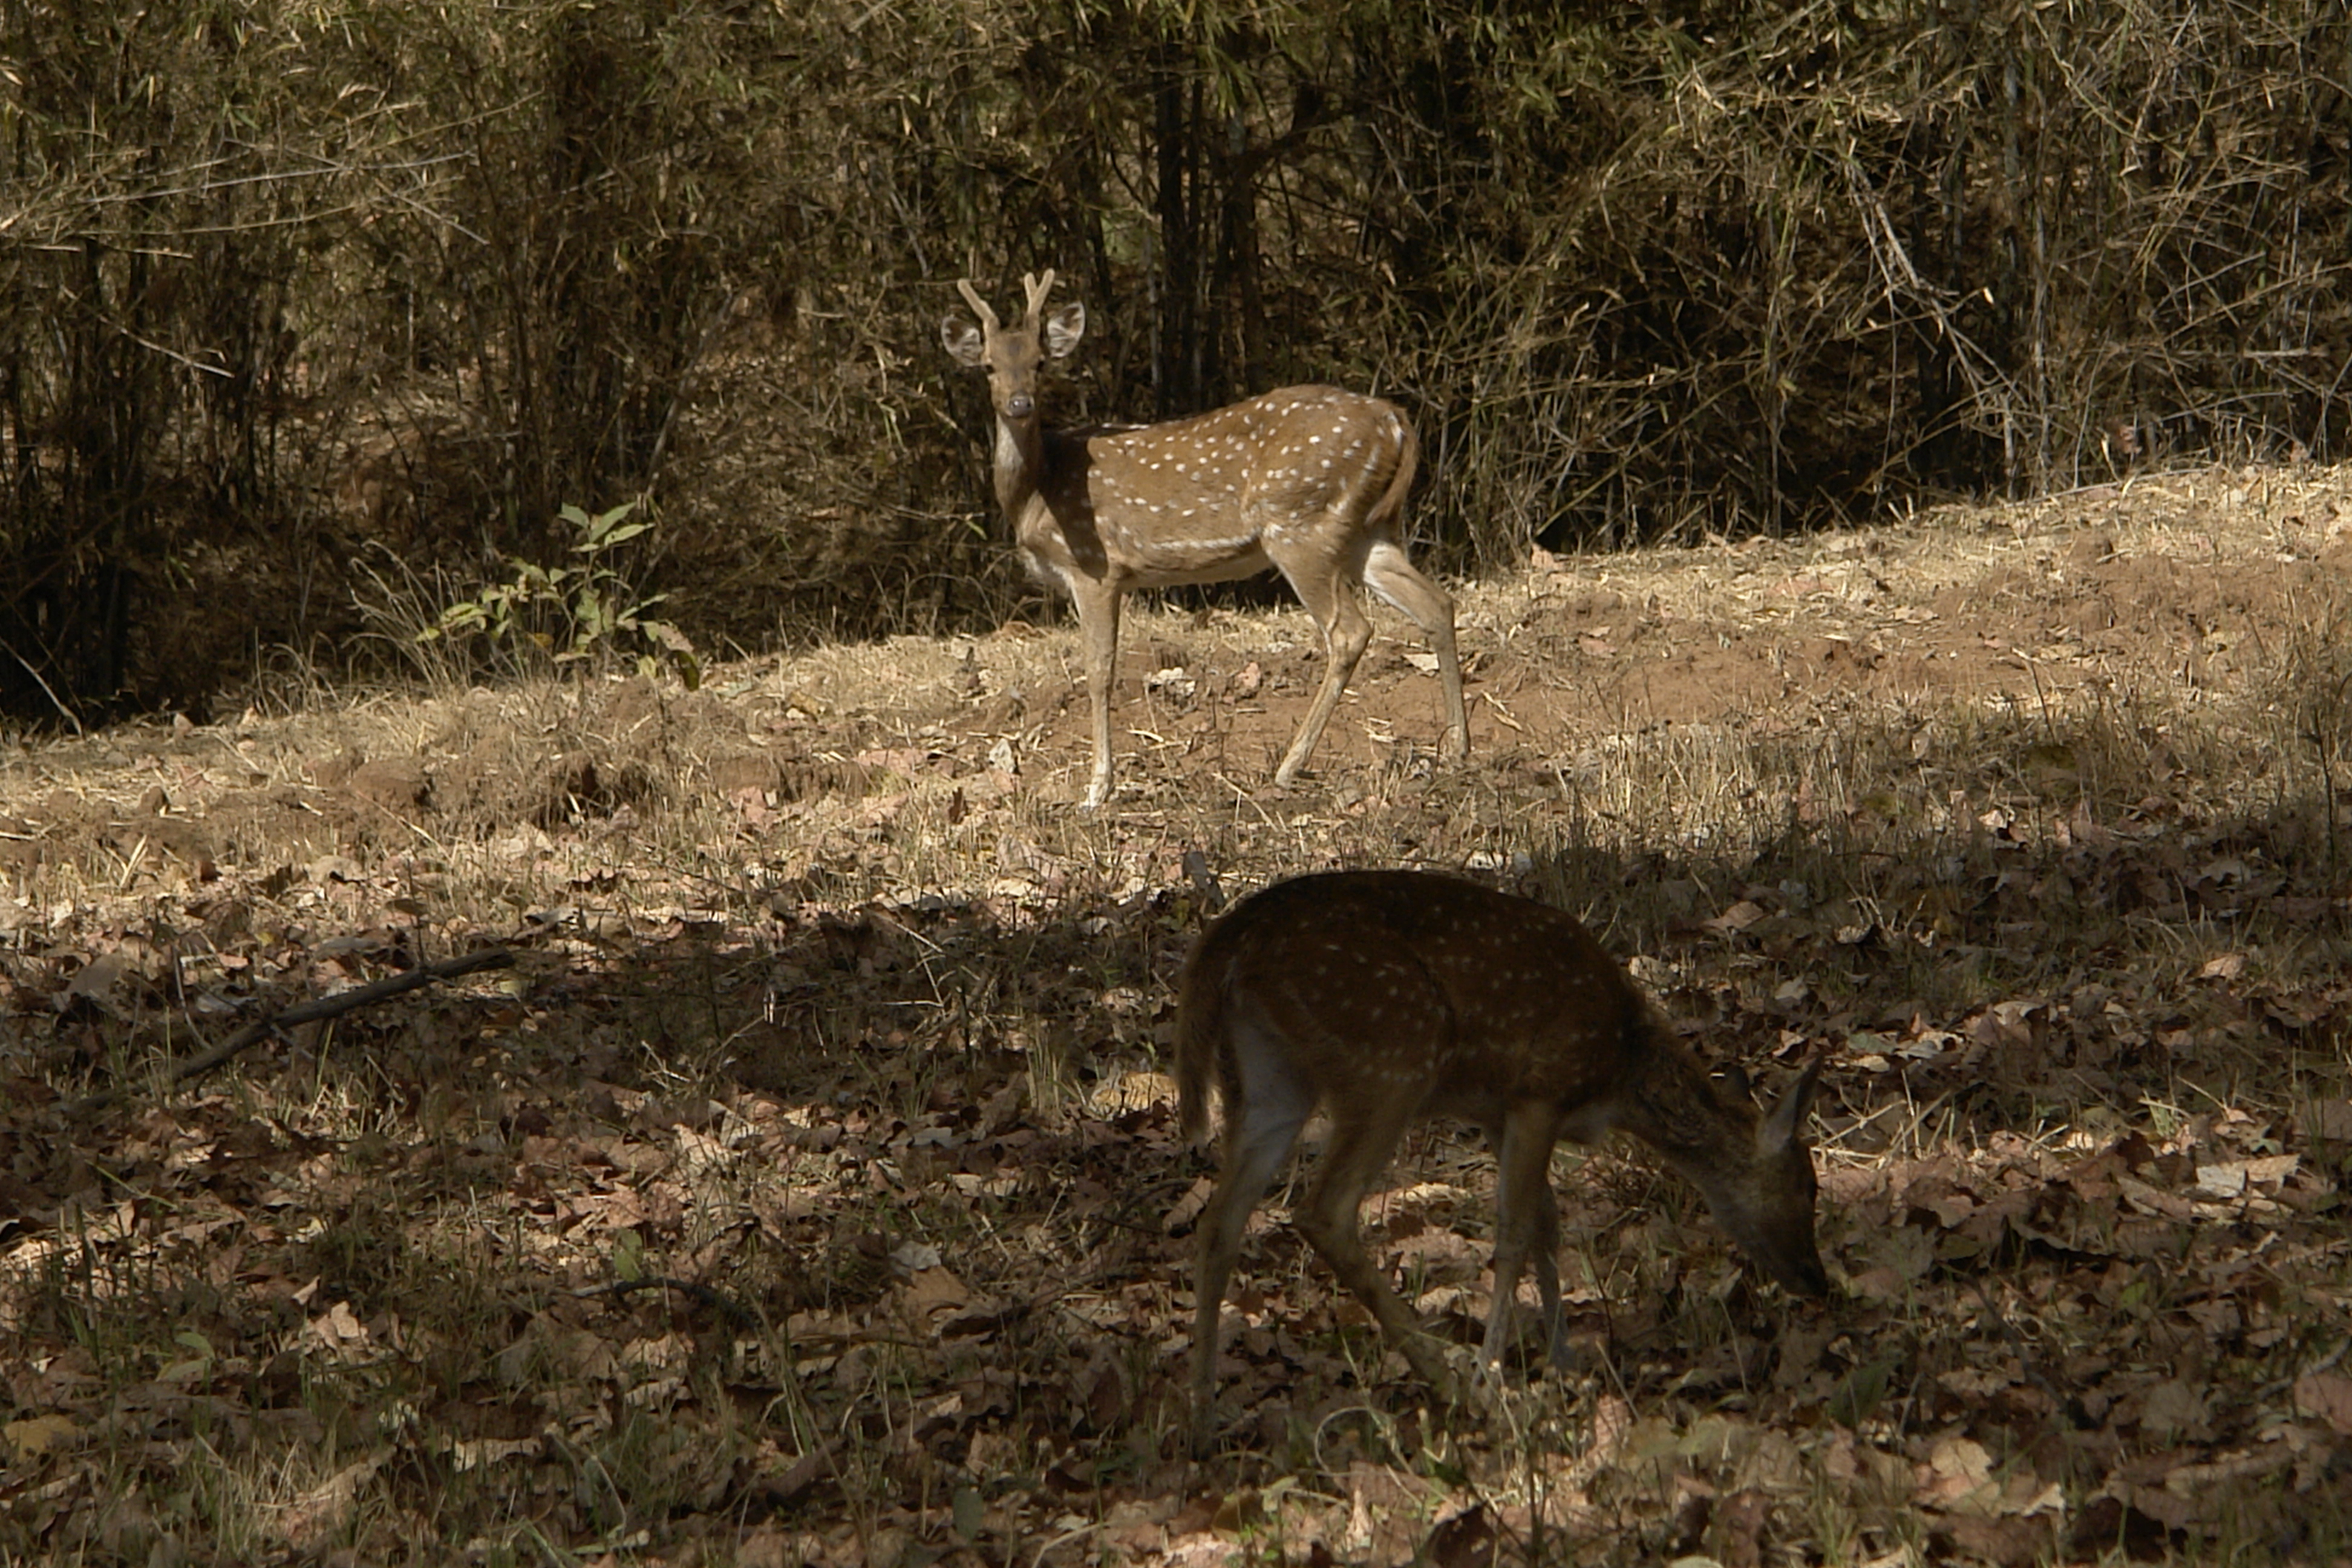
x=1261, y=1127
x=1361, y=1142
x=1546, y=1261
x=1331, y=600
x=1392, y=574
x=1527, y=1218
x=1098, y=606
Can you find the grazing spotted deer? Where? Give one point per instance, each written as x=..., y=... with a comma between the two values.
x=1310, y=481
x=1389, y=997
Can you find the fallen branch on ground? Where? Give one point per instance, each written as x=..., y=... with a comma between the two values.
x=334, y=1006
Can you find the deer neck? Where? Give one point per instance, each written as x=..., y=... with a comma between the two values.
x=1668, y=1102
x=1020, y=464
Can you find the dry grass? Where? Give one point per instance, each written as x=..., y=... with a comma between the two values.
x=829, y=1003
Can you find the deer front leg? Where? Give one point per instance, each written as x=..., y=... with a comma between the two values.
x=1098, y=606
x=1527, y=1217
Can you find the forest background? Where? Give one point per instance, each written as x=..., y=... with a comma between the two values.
x=321, y=310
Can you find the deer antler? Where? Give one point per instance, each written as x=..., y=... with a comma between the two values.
x=979, y=306
x=1038, y=289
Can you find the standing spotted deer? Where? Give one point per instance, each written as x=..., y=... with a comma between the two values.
x=1386, y=997
x=1310, y=481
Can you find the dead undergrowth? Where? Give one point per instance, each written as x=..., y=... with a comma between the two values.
x=810, y=1189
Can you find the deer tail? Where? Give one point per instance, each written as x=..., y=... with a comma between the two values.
x=1388, y=512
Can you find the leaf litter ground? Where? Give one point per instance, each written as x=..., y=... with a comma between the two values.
x=809, y=1191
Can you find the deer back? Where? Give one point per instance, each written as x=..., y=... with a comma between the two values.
x=1407, y=983
x=1199, y=499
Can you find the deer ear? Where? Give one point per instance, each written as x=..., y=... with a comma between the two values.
x=1064, y=328
x=1779, y=1129
x=962, y=340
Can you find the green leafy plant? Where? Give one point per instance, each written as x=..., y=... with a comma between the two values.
x=574, y=613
